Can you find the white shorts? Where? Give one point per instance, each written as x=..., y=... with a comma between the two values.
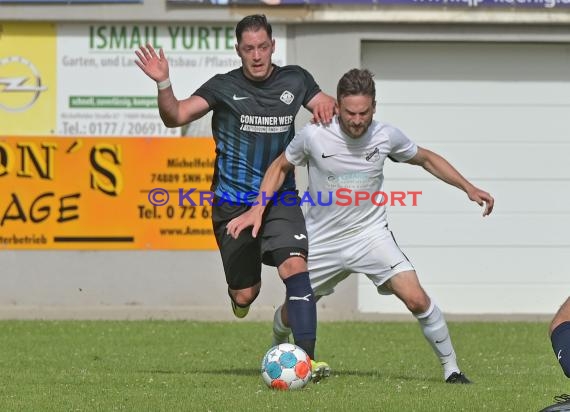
x=377, y=256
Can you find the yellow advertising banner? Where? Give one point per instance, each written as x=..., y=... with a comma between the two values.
x=110, y=193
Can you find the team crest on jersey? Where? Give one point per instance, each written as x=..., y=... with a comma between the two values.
x=373, y=156
x=287, y=97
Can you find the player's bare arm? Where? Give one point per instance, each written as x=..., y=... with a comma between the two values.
x=173, y=112
x=323, y=108
x=442, y=169
x=272, y=181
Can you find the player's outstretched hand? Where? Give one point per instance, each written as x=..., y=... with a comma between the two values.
x=154, y=65
x=252, y=217
x=482, y=198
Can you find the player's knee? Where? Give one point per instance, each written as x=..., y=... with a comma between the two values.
x=417, y=303
x=243, y=300
x=244, y=297
x=292, y=266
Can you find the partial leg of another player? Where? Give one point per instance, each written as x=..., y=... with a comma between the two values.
x=406, y=286
x=560, y=336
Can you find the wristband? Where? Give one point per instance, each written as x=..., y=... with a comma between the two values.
x=165, y=84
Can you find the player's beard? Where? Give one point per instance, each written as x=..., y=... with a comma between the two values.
x=354, y=130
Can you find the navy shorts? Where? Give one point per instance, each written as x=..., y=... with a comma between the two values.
x=282, y=235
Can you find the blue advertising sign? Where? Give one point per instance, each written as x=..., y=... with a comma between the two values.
x=544, y=4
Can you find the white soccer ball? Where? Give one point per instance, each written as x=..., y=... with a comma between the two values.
x=286, y=367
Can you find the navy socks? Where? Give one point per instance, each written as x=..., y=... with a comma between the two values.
x=302, y=311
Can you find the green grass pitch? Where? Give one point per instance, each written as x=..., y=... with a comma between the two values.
x=214, y=366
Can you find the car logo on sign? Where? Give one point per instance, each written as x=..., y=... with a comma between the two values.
x=21, y=90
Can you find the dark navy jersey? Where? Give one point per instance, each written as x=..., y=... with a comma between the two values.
x=252, y=124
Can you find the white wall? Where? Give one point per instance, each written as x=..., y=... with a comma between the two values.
x=498, y=113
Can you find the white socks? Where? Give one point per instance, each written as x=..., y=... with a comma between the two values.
x=436, y=332
x=280, y=331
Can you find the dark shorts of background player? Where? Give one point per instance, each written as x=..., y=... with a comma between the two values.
x=282, y=235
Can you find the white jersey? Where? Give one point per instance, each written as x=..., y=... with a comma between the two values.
x=343, y=169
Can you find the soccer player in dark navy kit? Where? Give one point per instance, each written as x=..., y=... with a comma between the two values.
x=254, y=109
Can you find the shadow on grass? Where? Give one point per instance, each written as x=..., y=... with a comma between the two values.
x=233, y=371
x=376, y=374
x=335, y=372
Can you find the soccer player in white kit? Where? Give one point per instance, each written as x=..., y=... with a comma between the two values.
x=346, y=220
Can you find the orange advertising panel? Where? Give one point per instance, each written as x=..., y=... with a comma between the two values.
x=106, y=193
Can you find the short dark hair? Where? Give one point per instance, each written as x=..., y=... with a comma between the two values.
x=356, y=82
x=253, y=22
